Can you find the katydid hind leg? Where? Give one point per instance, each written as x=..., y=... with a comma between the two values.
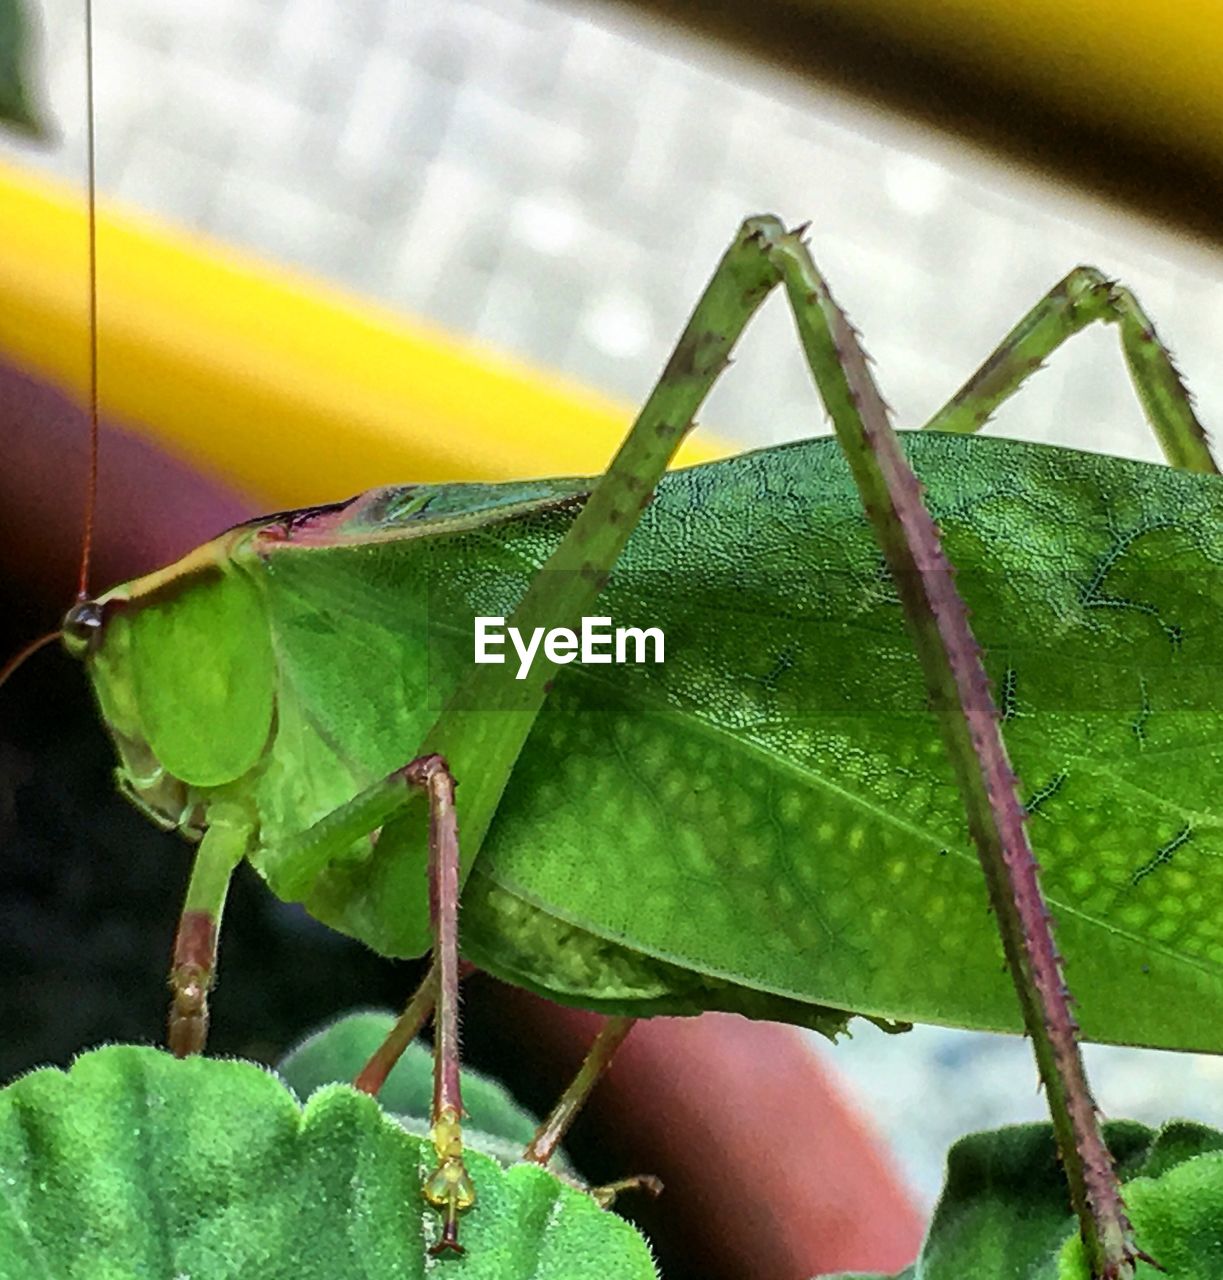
x=1085, y=297
x=950, y=656
x=483, y=749
x=406, y=1028
x=552, y=1130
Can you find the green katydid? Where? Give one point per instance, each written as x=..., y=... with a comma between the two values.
x=765, y=822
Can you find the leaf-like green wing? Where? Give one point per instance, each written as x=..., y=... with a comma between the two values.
x=134, y=1163
x=772, y=806
x=769, y=810
x=765, y=821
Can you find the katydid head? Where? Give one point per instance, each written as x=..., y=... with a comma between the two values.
x=180, y=663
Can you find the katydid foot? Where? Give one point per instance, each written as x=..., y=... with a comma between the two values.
x=449, y=1187
x=606, y=1195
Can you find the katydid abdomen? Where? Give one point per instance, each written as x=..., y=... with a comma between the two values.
x=765, y=821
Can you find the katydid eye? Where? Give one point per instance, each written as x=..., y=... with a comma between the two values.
x=82, y=624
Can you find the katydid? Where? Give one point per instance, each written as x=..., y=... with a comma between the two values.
x=765, y=822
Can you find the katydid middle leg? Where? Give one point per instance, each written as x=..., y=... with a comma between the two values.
x=486, y=753
x=553, y=1128
x=1085, y=297
x=406, y=1028
x=304, y=857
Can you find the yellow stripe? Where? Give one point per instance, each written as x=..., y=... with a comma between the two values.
x=1151, y=70
x=291, y=390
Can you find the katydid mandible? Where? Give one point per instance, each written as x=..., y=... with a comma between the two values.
x=765, y=822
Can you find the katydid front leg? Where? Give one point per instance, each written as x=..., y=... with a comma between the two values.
x=224, y=845
x=1085, y=297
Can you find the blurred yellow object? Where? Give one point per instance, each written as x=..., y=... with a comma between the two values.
x=288, y=389
x=1151, y=70
x=1113, y=95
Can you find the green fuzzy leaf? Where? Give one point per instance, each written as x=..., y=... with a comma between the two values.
x=1178, y=1220
x=136, y=1164
x=1176, y=1142
x=337, y=1052
x=1005, y=1211
x=16, y=106
x=1005, y=1203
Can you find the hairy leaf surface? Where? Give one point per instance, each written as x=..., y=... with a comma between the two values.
x=338, y=1051
x=1004, y=1209
x=135, y=1163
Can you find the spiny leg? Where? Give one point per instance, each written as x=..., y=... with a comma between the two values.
x=300, y=859
x=449, y=1187
x=571, y=577
x=948, y=651
x=405, y=1029
x=1082, y=298
x=764, y=255
x=551, y=1132
x=195, y=944
x=483, y=747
